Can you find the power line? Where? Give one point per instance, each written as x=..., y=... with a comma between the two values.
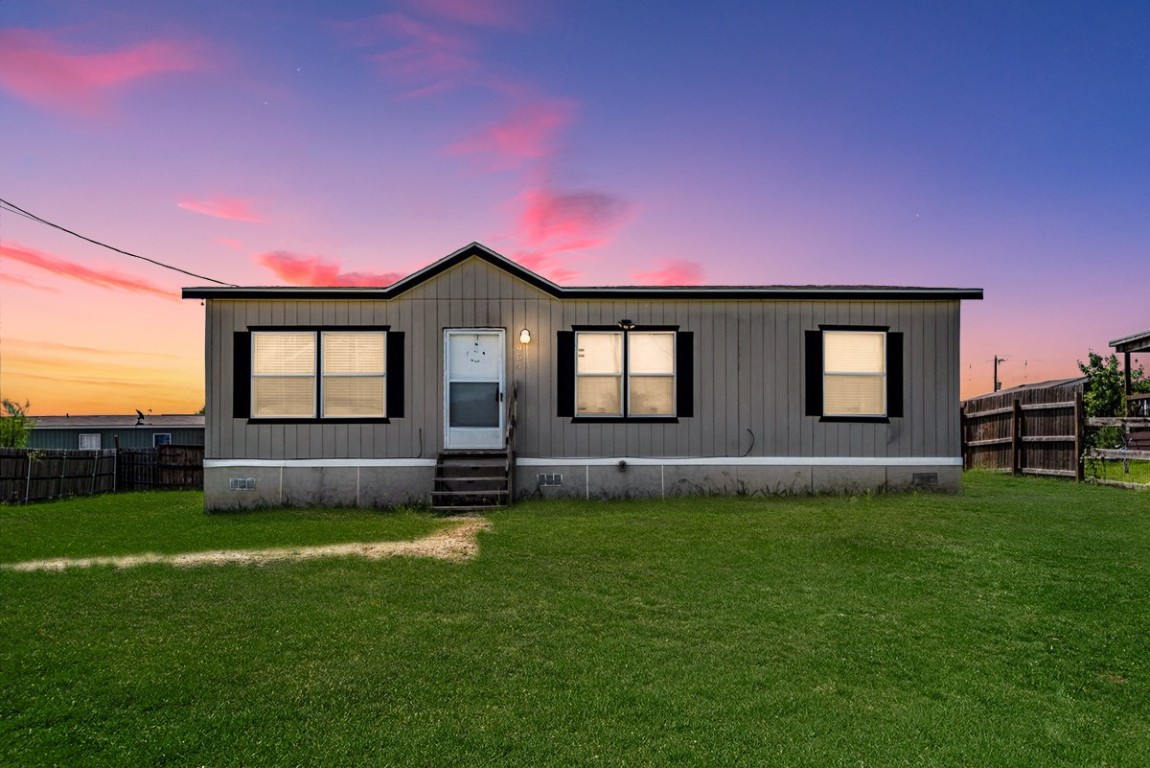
x=13, y=208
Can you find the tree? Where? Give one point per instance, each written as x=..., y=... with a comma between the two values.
x=1105, y=393
x=15, y=426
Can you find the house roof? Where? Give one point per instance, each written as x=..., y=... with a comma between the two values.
x=1138, y=342
x=477, y=250
x=186, y=421
x=1077, y=381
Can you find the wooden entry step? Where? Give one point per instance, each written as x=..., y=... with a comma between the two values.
x=467, y=481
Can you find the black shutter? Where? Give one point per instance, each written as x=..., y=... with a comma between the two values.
x=685, y=374
x=813, y=372
x=395, y=375
x=241, y=375
x=565, y=373
x=894, y=374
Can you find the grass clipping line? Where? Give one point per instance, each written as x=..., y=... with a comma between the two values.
x=455, y=544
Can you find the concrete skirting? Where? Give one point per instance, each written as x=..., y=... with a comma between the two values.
x=245, y=484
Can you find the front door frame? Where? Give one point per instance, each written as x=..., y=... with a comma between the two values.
x=474, y=438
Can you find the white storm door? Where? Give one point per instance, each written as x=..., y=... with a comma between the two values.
x=473, y=377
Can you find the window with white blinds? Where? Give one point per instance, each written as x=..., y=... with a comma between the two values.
x=854, y=373
x=642, y=361
x=345, y=371
x=354, y=371
x=283, y=374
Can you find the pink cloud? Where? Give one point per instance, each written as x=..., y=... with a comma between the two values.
x=108, y=279
x=569, y=220
x=229, y=242
x=315, y=270
x=672, y=272
x=40, y=69
x=229, y=208
x=528, y=133
x=565, y=225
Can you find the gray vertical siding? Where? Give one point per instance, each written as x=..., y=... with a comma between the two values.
x=748, y=374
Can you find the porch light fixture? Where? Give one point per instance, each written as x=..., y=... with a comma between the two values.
x=626, y=324
x=525, y=336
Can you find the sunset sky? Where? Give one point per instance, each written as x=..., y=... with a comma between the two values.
x=995, y=145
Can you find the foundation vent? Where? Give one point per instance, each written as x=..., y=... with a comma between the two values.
x=241, y=483
x=544, y=479
x=924, y=480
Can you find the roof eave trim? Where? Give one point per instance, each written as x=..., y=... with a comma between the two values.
x=713, y=293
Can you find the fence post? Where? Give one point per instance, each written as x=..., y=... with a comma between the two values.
x=962, y=433
x=1079, y=437
x=95, y=466
x=1016, y=437
x=28, y=482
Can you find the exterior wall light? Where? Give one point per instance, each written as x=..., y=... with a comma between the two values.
x=525, y=336
x=626, y=324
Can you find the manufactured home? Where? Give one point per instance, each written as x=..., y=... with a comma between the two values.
x=93, y=433
x=475, y=380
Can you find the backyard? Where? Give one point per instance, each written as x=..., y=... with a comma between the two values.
x=1003, y=626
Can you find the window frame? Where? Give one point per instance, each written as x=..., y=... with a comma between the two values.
x=324, y=376
x=314, y=375
x=80, y=441
x=392, y=368
x=879, y=375
x=157, y=435
x=625, y=375
x=815, y=377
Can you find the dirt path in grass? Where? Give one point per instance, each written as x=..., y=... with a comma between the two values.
x=456, y=543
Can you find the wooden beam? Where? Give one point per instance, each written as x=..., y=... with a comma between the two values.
x=1114, y=421
x=1015, y=435
x=1079, y=437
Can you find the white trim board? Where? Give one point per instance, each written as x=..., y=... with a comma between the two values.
x=315, y=463
x=752, y=461
x=699, y=461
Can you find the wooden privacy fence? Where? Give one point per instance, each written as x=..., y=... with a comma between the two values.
x=166, y=466
x=1043, y=438
x=39, y=475
x=1034, y=438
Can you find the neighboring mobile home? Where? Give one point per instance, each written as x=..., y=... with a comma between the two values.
x=361, y=396
x=92, y=433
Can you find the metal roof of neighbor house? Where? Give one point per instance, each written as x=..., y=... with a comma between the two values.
x=191, y=421
x=1138, y=342
x=478, y=250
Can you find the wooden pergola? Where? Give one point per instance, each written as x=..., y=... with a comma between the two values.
x=1129, y=345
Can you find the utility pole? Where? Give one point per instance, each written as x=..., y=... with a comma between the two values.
x=997, y=383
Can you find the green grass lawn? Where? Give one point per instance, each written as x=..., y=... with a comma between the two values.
x=1128, y=472
x=1006, y=626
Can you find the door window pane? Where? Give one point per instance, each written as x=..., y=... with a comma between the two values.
x=474, y=404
